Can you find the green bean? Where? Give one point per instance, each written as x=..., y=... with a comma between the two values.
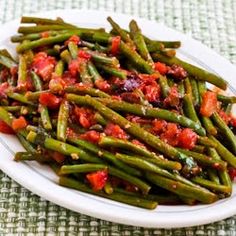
x=195, y=92
x=102, y=58
x=226, y=99
x=29, y=156
x=12, y=108
x=124, y=35
x=135, y=59
x=131, y=200
x=196, y=72
x=63, y=116
x=226, y=131
x=189, y=109
x=164, y=86
x=134, y=130
x=112, y=71
x=104, y=154
x=45, y=118
x=6, y=61
x=73, y=49
x=149, y=112
x=22, y=72
x=211, y=185
x=83, y=90
x=205, y=141
x=81, y=168
x=188, y=87
x=19, y=97
x=212, y=174
x=61, y=147
x=224, y=152
x=181, y=89
x=99, y=119
x=224, y=176
x=204, y=160
x=199, y=148
x=155, y=47
x=139, y=42
x=59, y=68
x=108, y=189
x=36, y=81
x=93, y=72
x=84, y=73
x=34, y=96
x=203, y=195
x=28, y=146
x=65, y=56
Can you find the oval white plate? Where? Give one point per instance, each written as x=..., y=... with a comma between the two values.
x=42, y=181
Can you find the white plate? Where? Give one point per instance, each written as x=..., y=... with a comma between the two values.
x=42, y=181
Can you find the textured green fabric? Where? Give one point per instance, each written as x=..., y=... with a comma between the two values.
x=213, y=22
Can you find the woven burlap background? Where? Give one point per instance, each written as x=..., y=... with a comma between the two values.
x=213, y=22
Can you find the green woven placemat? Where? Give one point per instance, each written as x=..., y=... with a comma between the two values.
x=212, y=22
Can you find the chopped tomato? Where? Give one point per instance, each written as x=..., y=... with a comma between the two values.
x=233, y=121
x=3, y=89
x=161, y=67
x=74, y=67
x=115, y=45
x=49, y=100
x=173, y=98
x=43, y=65
x=187, y=138
x=84, y=116
x=58, y=157
x=83, y=54
x=232, y=173
x=115, y=131
x=4, y=74
x=91, y=136
x=56, y=84
x=97, y=179
x=5, y=128
x=73, y=38
x=68, y=78
x=138, y=143
x=159, y=126
x=226, y=118
x=149, y=78
x=102, y=85
x=152, y=92
x=130, y=97
x=171, y=134
x=44, y=34
x=116, y=97
x=177, y=72
x=209, y=104
x=19, y=123
x=14, y=71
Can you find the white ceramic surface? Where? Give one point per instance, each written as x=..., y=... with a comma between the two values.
x=43, y=182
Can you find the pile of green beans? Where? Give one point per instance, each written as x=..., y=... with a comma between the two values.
x=156, y=171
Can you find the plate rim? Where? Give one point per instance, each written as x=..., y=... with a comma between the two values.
x=127, y=218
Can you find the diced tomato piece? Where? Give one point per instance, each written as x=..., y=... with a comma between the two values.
x=14, y=70
x=152, y=93
x=115, y=131
x=5, y=128
x=49, y=100
x=148, y=78
x=130, y=97
x=73, y=38
x=173, y=98
x=102, y=85
x=19, y=123
x=232, y=173
x=187, y=138
x=44, y=65
x=56, y=84
x=3, y=89
x=58, y=157
x=209, y=104
x=68, y=78
x=115, y=45
x=4, y=74
x=138, y=143
x=159, y=126
x=171, y=134
x=116, y=97
x=84, y=116
x=91, y=136
x=161, y=67
x=98, y=179
x=177, y=72
x=74, y=67
x=83, y=54
x=233, y=121
x=226, y=118
x=44, y=34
